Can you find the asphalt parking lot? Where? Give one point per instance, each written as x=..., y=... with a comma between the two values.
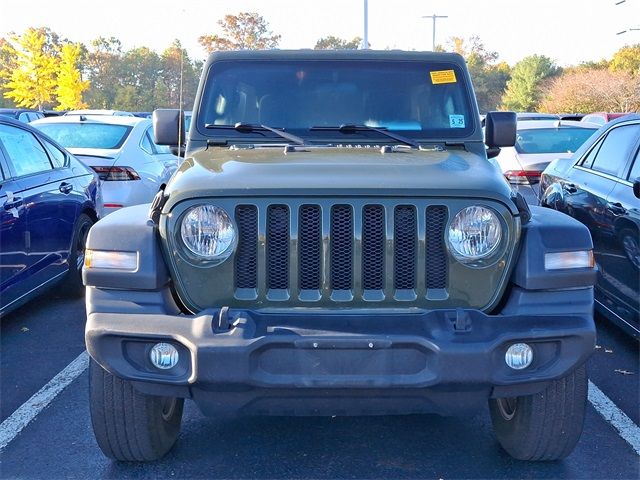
x=43, y=338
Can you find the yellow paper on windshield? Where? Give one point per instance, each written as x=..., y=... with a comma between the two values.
x=443, y=76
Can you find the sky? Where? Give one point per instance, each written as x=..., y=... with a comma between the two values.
x=567, y=31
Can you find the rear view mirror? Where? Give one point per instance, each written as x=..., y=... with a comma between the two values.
x=500, y=129
x=168, y=127
x=636, y=187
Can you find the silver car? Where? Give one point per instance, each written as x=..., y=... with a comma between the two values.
x=538, y=142
x=120, y=149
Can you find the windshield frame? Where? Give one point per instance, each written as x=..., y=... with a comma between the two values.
x=201, y=126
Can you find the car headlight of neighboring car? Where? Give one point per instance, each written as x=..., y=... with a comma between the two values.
x=208, y=233
x=474, y=235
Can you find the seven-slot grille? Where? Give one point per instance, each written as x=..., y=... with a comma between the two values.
x=341, y=250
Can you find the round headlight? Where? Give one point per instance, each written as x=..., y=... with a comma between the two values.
x=207, y=232
x=474, y=234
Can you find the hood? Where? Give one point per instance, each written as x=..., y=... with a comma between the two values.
x=334, y=171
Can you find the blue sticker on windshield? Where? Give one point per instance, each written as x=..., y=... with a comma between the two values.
x=456, y=121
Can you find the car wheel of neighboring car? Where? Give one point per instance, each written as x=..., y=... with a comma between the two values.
x=74, y=286
x=129, y=425
x=546, y=425
x=630, y=245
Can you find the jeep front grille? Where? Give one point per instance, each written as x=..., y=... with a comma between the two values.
x=340, y=251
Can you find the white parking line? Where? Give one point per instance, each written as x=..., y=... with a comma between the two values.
x=19, y=419
x=628, y=430
x=29, y=410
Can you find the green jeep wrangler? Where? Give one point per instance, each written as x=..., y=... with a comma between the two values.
x=337, y=241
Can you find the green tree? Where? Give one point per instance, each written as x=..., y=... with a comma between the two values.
x=32, y=81
x=336, y=43
x=141, y=68
x=245, y=31
x=627, y=59
x=103, y=64
x=528, y=77
x=70, y=85
x=177, y=65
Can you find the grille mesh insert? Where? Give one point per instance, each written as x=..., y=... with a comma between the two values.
x=405, y=233
x=247, y=253
x=341, y=247
x=309, y=246
x=436, y=268
x=373, y=239
x=278, y=247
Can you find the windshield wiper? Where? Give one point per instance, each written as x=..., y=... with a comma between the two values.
x=250, y=127
x=348, y=128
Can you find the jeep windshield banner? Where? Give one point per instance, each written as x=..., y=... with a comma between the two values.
x=313, y=98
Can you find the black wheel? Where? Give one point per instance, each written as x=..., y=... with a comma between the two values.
x=73, y=283
x=546, y=425
x=128, y=425
x=631, y=245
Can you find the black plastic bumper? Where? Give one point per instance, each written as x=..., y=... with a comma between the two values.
x=327, y=362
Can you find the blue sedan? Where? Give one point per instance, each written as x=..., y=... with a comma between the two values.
x=48, y=202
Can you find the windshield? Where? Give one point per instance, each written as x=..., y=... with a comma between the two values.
x=415, y=98
x=552, y=140
x=87, y=135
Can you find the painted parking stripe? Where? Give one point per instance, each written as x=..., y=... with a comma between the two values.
x=19, y=419
x=29, y=410
x=628, y=430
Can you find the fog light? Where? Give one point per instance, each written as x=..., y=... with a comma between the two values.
x=164, y=356
x=519, y=356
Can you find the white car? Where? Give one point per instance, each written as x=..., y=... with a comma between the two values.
x=119, y=113
x=538, y=142
x=120, y=149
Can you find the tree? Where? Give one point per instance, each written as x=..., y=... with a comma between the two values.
x=70, y=85
x=32, y=82
x=593, y=91
x=176, y=64
x=245, y=31
x=627, y=59
x=104, y=68
x=524, y=90
x=336, y=43
x=489, y=79
x=141, y=68
x=7, y=66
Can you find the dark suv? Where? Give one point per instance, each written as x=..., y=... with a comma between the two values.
x=336, y=242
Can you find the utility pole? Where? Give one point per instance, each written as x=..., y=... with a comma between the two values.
x=434, y=17
x=365, y=40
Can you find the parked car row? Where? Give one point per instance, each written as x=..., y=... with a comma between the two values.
x=58, y=177
x=600, y=186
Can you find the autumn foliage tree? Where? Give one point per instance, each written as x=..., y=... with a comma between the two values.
x=70, y=86
x=597, y=90
x=335, y=43
x=245, y=31
x=32, y=81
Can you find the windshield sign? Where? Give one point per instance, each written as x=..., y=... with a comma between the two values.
x=416, y=99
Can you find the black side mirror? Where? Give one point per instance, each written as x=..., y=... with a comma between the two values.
x=636, y=187
x=500, y=129
x=168, y=126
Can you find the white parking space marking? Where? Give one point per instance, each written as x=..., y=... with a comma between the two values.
x=628, y=430
x=29, y=410
x=19, y=419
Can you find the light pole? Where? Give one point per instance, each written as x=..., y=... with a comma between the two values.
x=434, y=17
x=365, y=40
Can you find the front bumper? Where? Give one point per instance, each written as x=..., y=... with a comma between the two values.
x=328, y=362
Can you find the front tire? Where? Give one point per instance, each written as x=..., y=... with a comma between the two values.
x=73, y=286
x=546, y=425
x=128, y=425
